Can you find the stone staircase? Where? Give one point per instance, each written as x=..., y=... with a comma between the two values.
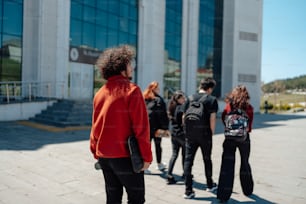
x=64, y=113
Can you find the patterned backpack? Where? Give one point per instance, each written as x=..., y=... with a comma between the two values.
x=236, y=124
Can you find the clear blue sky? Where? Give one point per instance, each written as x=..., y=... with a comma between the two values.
x=283, y=39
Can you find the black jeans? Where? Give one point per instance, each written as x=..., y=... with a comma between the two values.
x=118, y=173
x=227, y=172
x=192, y=146
x=177, y=144
x=158, y=149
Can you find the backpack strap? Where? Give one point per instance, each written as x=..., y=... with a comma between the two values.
x=203, y=98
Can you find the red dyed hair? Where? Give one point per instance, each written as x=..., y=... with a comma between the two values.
x=149, y=91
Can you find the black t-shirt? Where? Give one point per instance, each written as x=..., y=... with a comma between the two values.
x=210, y=104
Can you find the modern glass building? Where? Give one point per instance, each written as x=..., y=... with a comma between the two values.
x=11, y=17
x=54, y=44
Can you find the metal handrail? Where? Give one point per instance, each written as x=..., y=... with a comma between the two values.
x=20, y=91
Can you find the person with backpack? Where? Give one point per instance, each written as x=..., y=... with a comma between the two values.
x=158, y=119
x=175, y=113
x=237, y=118
x=199, y=123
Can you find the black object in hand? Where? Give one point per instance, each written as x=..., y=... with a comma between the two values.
x=97, y=166
x=136, y=158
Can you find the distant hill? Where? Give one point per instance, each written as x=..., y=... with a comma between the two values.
x=285, y=84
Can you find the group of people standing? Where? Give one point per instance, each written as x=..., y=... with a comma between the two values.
x=120, y=109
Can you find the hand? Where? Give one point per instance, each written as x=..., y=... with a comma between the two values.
x=162, y=133
x=145, y=165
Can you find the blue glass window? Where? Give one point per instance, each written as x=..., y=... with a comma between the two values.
x=76, y=10
x=123, y=37
x=12, y=18
x=102, y=5
x=113, y=7
x=124, y=10
x=210, y=41
x=124, y=24
x=11, y=22
x=76, y=32
x=98, y=24
x=102, y=18
x=118, y=17
x=89, y=32
x=89, y=14
x=133, y=27
x=112, y=38
x=90, y=2
x=101, y=37
x=173, y=38
x=113, y=21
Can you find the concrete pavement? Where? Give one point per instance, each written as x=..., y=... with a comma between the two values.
x=51, y=166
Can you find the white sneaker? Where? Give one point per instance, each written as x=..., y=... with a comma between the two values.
x=161, y=166
x=147, y=171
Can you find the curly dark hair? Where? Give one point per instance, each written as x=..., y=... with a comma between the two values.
x=115, y=60
x=239, y=97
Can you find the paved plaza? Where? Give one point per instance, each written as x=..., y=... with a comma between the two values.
x=44, y=165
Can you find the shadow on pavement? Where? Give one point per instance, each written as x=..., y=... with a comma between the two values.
x=200, y=186
x=255, y=199
x=14, y=136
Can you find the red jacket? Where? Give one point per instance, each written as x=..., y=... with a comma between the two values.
x=118, y=112
x=249, y=111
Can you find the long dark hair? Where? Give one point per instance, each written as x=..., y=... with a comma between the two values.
x=239, y=97
x=173, y=103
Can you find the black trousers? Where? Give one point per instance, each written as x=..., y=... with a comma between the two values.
x=118, y=173
x=192, y=146
x=158, y=148
x=227, y=172
x=177, y=144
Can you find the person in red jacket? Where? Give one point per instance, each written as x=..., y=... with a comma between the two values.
x=237, y=99
x=119, y=111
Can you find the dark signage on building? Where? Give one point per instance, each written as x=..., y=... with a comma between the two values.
x=83, y=55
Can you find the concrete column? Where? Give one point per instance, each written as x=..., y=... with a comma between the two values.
x=190, y=45
x=46, y=46
x=151, y=37
x=228, y=47
x=242, y=39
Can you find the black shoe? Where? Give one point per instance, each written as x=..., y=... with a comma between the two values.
x=189, y=195
x=171, y=180
x=212, y=188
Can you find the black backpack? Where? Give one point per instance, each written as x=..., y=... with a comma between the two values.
x=236, y=123
x=194, y=118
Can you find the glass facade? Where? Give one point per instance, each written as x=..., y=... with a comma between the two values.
x=173, y=44
x=98, y=24
x=11, y=22
x=210, y=41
